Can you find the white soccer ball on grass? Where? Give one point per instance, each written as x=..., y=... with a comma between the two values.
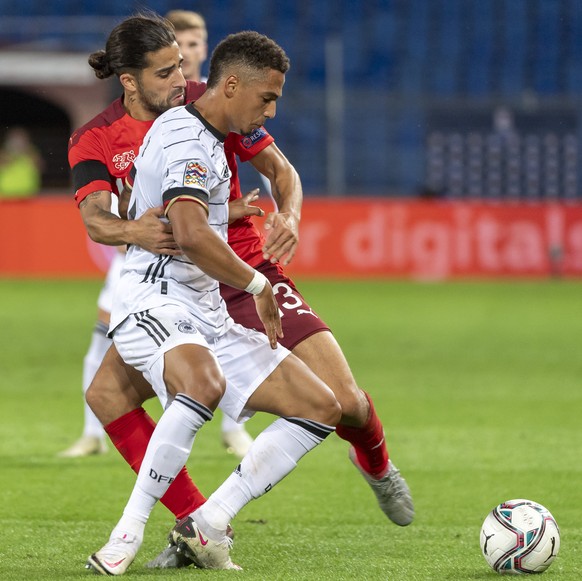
x=520, y=536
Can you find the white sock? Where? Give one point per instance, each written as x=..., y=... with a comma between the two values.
x=168, y=450
x=274, y=453
x=97, y=349
x=229, y=425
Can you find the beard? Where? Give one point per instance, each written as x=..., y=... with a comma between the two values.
x=154, y=104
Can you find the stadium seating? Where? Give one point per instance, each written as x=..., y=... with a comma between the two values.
x=412, y=55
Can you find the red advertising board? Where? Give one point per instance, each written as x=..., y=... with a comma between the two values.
x=359, y=238
x=439, y=240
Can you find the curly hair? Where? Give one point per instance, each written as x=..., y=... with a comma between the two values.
x=129, y=42
x=247, y=50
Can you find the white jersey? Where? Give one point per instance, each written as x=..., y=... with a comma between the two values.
x=182, y=157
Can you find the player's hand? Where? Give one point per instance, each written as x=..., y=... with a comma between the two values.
x=242, y=207
x=268, y=311
x=154, y=235
x=282, y=237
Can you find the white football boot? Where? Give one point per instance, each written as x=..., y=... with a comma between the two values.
x=117, y=555
x=237, y=442
x=173, y=557
x=204, y=552
x=85, y=446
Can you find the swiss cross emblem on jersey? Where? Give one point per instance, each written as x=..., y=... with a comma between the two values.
x=122, y=161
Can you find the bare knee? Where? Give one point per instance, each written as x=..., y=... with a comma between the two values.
x=109, y=400
x=293, y=390
x=355, y=407
x=206, y=388
x=328, y=411
x=116, y=389
x=195, y=373
x=322, y=354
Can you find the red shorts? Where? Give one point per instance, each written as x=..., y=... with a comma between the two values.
x=298, y=319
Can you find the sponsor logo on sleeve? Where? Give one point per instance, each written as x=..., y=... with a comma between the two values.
x=254, y=137
x=195, y=174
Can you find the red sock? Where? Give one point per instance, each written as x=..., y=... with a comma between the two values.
x=131, y=434
x=368, y=441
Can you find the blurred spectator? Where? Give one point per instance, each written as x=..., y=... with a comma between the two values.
x=20, y=165
x=192, y=38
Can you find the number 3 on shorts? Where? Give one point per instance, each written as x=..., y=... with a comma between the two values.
x=292, y=301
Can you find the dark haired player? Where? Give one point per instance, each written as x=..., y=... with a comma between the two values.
x=117, y=393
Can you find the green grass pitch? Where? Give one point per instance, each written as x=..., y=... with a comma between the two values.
x=478, y=385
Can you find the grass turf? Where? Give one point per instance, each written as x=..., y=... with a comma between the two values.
x=478, y=385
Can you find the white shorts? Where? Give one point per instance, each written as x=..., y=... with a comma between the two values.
x=244, y=355
x=105, y=300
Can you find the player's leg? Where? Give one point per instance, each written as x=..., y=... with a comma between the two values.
x=360, y=426
x=180, y=367
x=116, y=395
x=100, y=344
x=92, y=440
x=308, y=411
x=308, y=337
x=359, y=423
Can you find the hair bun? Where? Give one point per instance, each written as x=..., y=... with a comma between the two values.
x=100, y=64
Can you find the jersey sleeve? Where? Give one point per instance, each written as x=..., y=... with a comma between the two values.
x=247, y=146
x=88, y=167
x=189, y=177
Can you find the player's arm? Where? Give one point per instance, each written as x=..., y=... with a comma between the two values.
x=205, y=248
x=283, y=225
x=104, y=227
x=93, y=190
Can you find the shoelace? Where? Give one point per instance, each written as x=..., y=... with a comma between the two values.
x=397, y=488
x=228, y=542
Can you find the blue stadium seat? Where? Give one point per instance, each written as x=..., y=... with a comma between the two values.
x=382, y=28
x=547, y=47
x=415, y=49
x=478, y=49
x=512, y=56
x=573, y=49
x=356, y=41
x=444, y=57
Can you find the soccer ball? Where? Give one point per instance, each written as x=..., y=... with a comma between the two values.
x=520, y=536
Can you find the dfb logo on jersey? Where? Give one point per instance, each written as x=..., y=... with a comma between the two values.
x=195, y=174
x=122, y=161
x=186, y=327
x=254, y=137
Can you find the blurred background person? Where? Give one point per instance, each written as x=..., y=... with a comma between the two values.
x=20, y=165
x=192, y=38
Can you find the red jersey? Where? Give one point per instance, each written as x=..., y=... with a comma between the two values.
x=101, y=155
x=102, y=152
x=243, y=236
